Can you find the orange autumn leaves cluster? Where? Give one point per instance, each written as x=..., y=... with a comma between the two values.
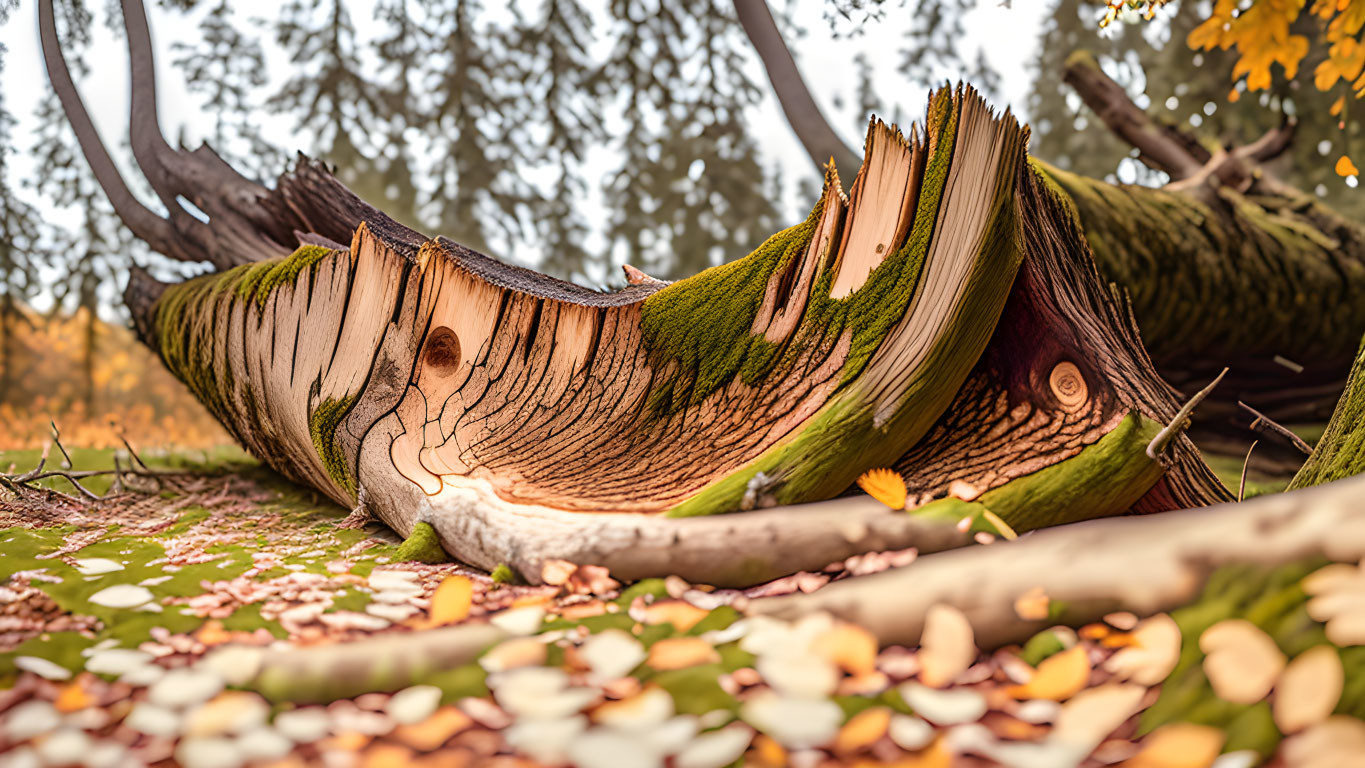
x=1260, y=32
x=124, y=388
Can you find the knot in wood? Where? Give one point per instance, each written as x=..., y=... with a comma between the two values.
x=1068, y=385
x=441, y=354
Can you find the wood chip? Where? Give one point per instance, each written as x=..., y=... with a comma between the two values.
x=681, y=652
x=1059, y=677
x=1241, y=661
x=1309, y=689
x=947, y=645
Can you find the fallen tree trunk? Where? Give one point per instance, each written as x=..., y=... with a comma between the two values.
x=945, y=317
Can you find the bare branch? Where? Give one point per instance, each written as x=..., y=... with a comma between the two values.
x=1159, y=148
x=803, y=114
x=144, y=223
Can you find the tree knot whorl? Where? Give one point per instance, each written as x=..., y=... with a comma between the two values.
x=1068, y=386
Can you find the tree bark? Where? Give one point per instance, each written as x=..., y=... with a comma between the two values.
x=945, y=317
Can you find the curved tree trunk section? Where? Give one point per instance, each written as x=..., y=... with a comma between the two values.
x=1226, y=266
x=945, y=317
x=1340, y=453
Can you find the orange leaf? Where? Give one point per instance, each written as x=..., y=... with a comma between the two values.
x=1233, y=96
x=452, y=600
x=884, y=485
x=1338, y=105
x=1058, y=678
x=1346, y=168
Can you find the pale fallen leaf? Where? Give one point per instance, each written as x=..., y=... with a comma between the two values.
x=795, y=723
x=1152, y=653
x=1309, y=689
x=1241, y=661
x=1337, y=742
x=952, y=707
x=947, y=645
x=514, y=653
x=1091, y=715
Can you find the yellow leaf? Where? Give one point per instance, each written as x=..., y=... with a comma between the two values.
x=884, y=485
x=452, y=600
x=1338, y=105
x=1346, y=168
x=1058, y=678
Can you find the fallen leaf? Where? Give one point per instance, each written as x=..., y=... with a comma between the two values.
x=680, y=613
x=434, y=731
x=680, y=653
x=947, y=645
x=555, y=572
x=1091, y=715
x=1241, y=661
x=862, y=730
x=386, y=755
x=849, y=647
x=73, y=697
x=1059, y=677
x=1178, y=745
x=884, y=485
x=1309, y=689
x=1151, y=654
x=514, y=653
x=1032, y=605
x=452, y=600
x=1337, y=741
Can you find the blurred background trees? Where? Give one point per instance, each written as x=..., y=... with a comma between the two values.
x=573, y=136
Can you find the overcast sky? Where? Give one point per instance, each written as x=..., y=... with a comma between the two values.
x=1008, y=36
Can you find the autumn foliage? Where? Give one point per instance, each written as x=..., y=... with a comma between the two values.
x=94, y=379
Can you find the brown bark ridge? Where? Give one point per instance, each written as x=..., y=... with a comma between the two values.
x=1226, y=266
x=944, y=315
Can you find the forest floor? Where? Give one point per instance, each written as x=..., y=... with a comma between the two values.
x=126, y=625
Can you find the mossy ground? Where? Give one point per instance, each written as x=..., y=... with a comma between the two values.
x=225, y=519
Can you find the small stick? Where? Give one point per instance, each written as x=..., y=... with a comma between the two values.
x=1242, y=486
x=1264, y=424
x=57, y=438
x=123, y=437
x=1182, y=418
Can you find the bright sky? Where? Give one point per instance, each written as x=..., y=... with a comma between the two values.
x=1007, y=34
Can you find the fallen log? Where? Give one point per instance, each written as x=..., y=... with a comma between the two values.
x=945, y=317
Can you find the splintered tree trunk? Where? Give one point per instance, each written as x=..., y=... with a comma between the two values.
x=945, y=318
x=500, y=406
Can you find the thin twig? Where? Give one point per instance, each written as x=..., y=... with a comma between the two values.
x=1266, y=425
x=131, y=452
x=1242, y=486
x=57, y=438
x=1168, y=434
